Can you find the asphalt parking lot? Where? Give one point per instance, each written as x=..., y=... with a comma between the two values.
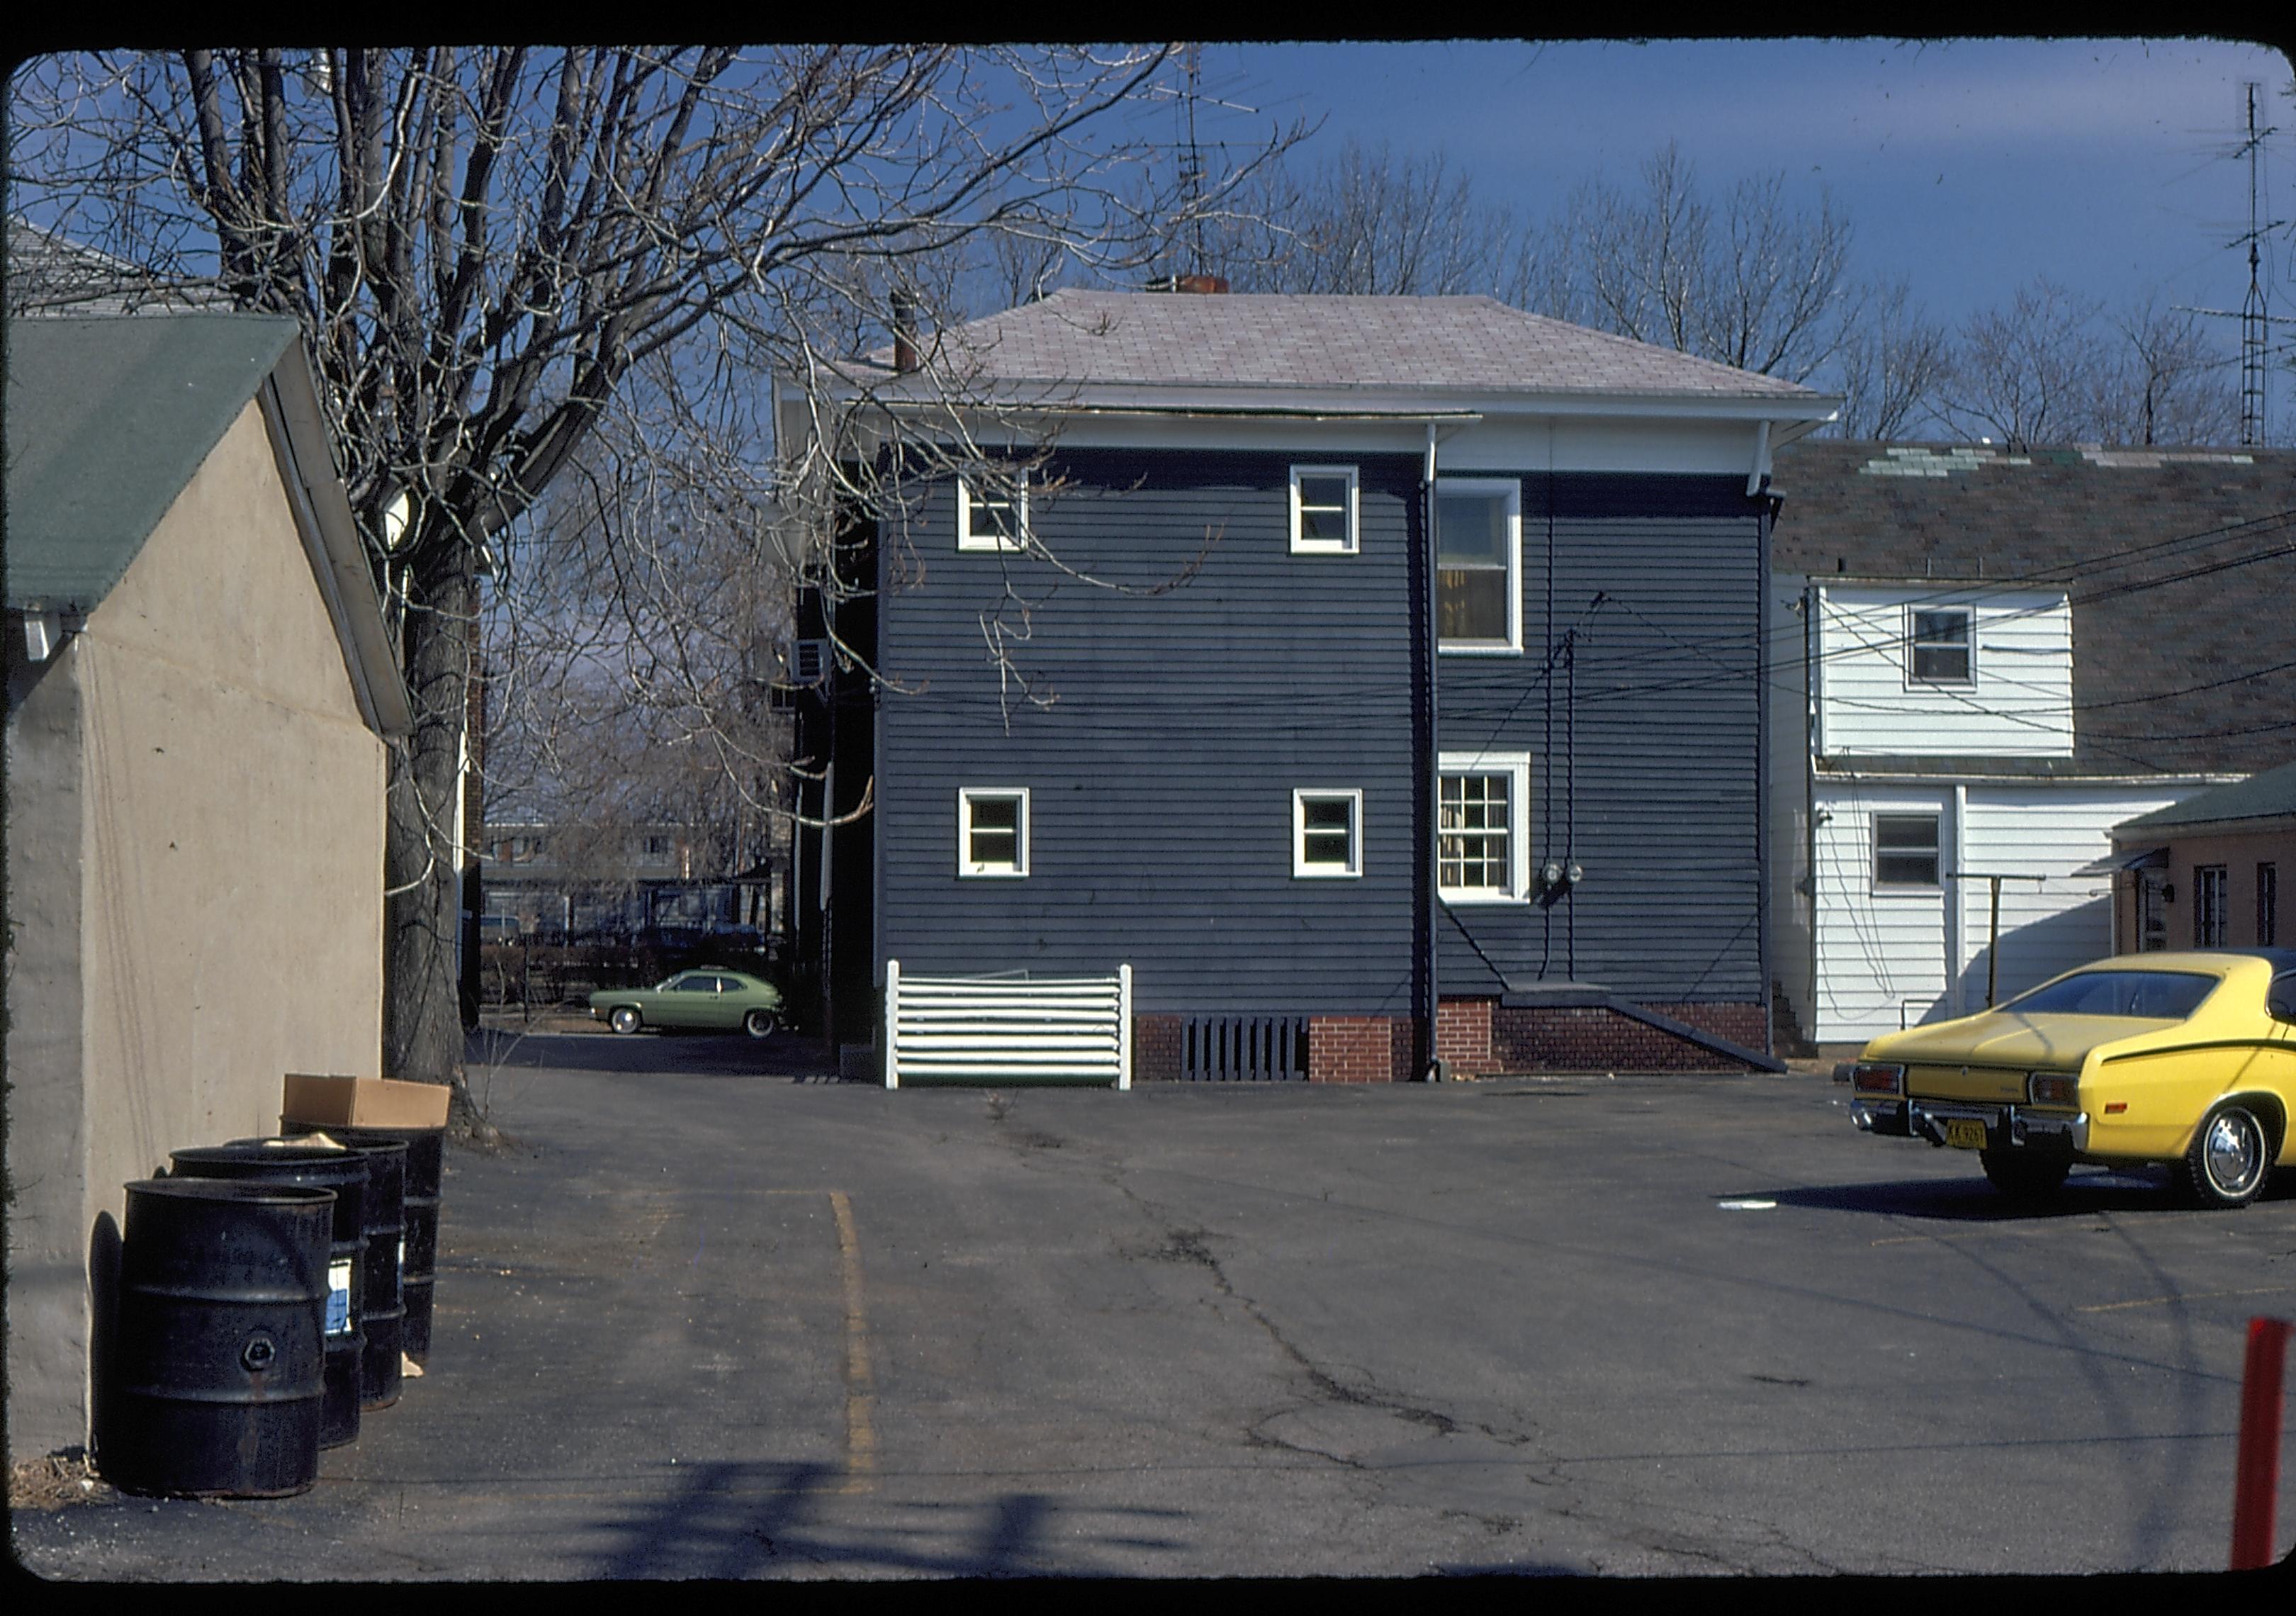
x=710, y=1317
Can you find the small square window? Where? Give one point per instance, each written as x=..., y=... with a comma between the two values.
x=1905, y=849
x=1324, y=510
x=992, y=831
x=1327, y=834
x=1938, y=645
x=992, y=510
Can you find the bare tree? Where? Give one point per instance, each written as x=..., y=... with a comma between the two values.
x=1889, y=365
x=1367, y=222
x=1755, y=283
x=484, y=246
x=2170, y=383
x=2029, y=374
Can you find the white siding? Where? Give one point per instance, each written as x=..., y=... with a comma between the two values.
x=2063, y=920
x=1881, y=954
x=2019, y=703
x=1886, y=958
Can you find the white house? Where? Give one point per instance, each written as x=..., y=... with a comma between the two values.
x=1981, y=664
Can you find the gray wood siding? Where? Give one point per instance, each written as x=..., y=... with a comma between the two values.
x=1655, y=787
x=1161, y=777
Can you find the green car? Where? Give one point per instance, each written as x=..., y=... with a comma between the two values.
x=708, y=998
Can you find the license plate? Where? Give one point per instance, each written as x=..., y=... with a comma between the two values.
x=1965, y=1133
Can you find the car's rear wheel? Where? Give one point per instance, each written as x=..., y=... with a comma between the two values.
x=2025, y=1175
x=626, y=1019
x=759, y=1023
x=2230, y=1158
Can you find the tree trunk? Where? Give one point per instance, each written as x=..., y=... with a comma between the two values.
x=422, y=1008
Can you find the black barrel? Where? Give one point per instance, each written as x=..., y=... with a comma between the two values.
x=384, y=1322
x=217, y=1373
x=325, y=1167
x=425, y=1175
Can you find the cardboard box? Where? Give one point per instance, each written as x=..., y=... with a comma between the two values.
x=362, y=1102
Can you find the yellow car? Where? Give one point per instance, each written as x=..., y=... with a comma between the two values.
x=2187, y=1059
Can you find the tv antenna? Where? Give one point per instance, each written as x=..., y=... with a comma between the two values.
x=2255, y=313
x=1191, y=161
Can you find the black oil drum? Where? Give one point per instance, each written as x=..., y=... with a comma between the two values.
x=315, y=1167
x=381, y=1366
x=216, y=1382
x=425, y=1175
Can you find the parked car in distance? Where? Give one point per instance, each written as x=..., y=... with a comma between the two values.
x=708, y=998
x=2187, y=1059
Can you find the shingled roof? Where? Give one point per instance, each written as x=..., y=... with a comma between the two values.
x=2180, y=564
x=1466, y=344
x=2270, y=795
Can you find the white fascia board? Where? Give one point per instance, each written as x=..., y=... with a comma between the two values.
x=331, y=538
x=1970, y=777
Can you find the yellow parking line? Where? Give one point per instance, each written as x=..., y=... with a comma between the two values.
x=2162, y=1301
x=860, y=1435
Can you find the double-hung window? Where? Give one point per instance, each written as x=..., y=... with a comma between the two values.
x=1478, y=565
x=1905, y=849
x=1940, y=645
x=1326, y=833
x=1324, y=510
x=992, y=830
x=992, y=509
x=1482, y=827
x=2209, y=906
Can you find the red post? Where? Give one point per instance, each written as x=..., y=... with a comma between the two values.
x=2258, y=1475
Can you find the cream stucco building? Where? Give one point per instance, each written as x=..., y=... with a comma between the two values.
x=200, y=693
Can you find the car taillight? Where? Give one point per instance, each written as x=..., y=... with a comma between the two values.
x=1867, y=1078
x=2051, y=1088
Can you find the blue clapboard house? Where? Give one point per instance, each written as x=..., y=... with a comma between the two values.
x=1379, y=678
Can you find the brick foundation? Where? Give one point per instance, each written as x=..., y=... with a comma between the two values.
x=1358, y=1049
x=1593, y=1038
x=1463, y=1036
x=1156, y=1048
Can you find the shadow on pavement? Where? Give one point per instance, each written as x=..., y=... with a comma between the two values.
x=734, y=1519
x=1972, y=1199
x=685, y=1055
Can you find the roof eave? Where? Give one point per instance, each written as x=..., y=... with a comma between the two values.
x=338, y=561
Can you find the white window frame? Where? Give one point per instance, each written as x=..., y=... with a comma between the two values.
x=967, y=867
x=1914, y=614
x=1351, y=544
x=1516, y=766
x=967, y=539
x=1512, y=489
x=1910, y=888
x=1301, y=868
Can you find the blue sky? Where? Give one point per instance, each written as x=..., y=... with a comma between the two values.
x=1968, y=167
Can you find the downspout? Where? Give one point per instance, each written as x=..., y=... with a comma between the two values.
x=1810, y=743
x=1427, y=791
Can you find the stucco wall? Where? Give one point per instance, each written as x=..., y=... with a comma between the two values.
x=47, y=1231
x=231, y=826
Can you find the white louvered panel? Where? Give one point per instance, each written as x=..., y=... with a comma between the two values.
x=986, y=1029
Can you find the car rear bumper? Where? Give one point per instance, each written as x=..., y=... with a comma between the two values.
x=2006, y=1126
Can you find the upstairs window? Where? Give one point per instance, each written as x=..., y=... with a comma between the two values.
x=1327, y=834
x=1324, y=510
x=992, y=510
x=1477, y=558
x=992, y=831
x=1939, y=642
x=1905, y=851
